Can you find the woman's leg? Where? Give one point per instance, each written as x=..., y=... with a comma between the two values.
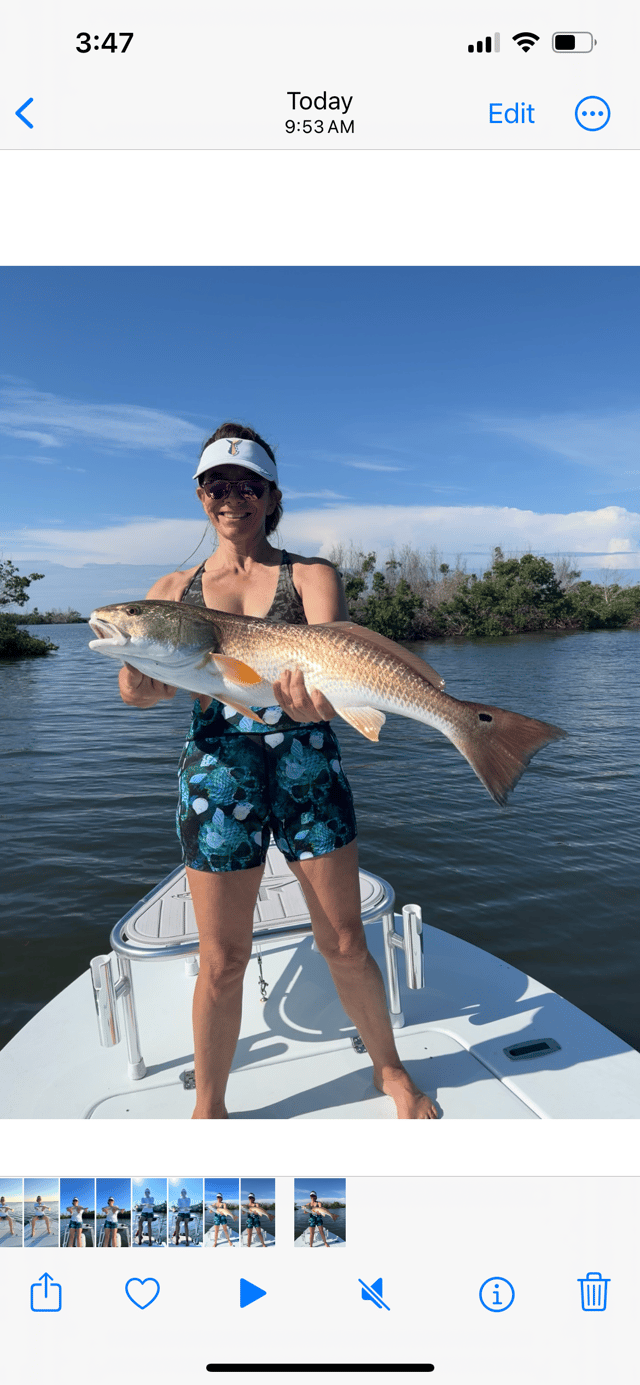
x=215, y=1236
x=11, y=1230
x=249, y=1234
x=312, y=1230
x=48, y=1225
x=227, y=1234
x=33, y=1227
x=332, y=891
x=324, y=1236
x=261, y=1235
x=223, y=902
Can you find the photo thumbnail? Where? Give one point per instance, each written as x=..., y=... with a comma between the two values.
x=149, y=1212
x=77, y=1213
x=222, y=1212
x=41, y=1212
x=11, y=1212
x=258, y=1213
x=320, y=1213
x=113, y=1213
x=186, y=1211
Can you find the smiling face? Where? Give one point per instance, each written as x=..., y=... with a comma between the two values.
x=237, y=517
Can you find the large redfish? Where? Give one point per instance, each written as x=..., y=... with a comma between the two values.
x=237, y=659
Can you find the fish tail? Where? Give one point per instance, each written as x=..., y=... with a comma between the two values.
x=499, y=745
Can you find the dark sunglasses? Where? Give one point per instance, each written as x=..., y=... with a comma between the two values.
x=220, y=490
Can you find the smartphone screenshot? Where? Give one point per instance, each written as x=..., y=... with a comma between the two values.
x=319, y=621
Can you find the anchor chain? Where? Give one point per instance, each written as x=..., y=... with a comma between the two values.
x=264, y=989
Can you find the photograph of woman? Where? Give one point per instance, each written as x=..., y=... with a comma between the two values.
x=186, y=1208
x=11, y=1212
x=222, y=1210
x=287, y=766
x=149, y=1198
x=253, y=1211
x=312, y=1209
x=41, y=1211
x=113, y=1200
x=77, y=1196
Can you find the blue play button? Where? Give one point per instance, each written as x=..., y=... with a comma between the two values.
x=249, y=1293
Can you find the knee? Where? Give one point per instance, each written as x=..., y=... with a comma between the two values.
x=345, y=946
x=223, y=966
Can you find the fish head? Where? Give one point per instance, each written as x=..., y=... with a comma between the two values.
x=165, y=633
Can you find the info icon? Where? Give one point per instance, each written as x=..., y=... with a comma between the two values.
x=497, y=1294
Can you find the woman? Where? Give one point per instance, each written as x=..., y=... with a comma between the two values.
x=40, y=1214
x=317, y=1214
x=75, y=1211
x=5, y=1215
x=183, y=1214
x=254, y=1212
x=224, y=841
x=147, y=1214
x=111, y=1223
x=221, y=1215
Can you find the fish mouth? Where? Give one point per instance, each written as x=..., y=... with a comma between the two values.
x=106, y=632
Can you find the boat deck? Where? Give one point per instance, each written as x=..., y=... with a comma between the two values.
x=295, y=1058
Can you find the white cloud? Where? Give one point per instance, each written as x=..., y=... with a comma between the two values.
x=374, y=466
x=598, y=538
x=26, y=413
x=606, y=440
x=312, y=495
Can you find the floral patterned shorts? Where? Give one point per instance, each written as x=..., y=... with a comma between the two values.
x=236, y=788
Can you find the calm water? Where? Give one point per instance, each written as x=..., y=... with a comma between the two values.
x=550, y=883
x=339, y=1226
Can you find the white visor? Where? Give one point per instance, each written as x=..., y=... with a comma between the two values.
x=238, y=452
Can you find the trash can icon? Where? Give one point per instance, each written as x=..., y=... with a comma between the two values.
x=593, y=1289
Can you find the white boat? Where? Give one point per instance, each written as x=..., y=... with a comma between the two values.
x=7, y=1241
x=483, y=1039
x=305, y=1239
x=269, y=1240
x=222, y=1240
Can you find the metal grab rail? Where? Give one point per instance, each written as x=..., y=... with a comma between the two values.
x=409, y=942
x=113, y=982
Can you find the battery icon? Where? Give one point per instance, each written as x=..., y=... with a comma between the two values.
x=575, y=42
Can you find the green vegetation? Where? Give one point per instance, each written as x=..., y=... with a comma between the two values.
x=419, y=597
x=15, y=643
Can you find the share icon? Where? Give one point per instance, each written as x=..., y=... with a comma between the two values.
x=374, y=1293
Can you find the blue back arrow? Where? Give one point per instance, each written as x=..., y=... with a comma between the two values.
x=22, y=108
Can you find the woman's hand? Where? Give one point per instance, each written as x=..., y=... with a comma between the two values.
x=300, y=703
x=139, y=691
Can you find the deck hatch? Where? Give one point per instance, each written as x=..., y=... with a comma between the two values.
x=534, y=1049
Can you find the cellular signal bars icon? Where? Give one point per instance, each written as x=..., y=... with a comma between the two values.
x=487, y=45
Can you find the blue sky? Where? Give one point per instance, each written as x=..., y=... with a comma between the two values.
x=82, y=1188
x=11, y=1189
x=46, y=1187
x=229, y=1187
x=331, y=1188
x=157, y=1188
x=194, y=1187
x=117, y=1188
x=260, y=1187
x=456, y=407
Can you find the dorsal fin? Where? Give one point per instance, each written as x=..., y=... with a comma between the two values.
x=390, y=647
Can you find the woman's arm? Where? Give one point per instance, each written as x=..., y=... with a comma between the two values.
x=136, y=689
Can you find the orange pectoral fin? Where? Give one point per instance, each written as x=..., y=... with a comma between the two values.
x=235, y=670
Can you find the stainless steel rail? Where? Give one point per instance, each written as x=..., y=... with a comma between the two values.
x=113, y=982
x=409, y=942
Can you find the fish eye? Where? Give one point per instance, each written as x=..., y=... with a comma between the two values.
x=133, y=610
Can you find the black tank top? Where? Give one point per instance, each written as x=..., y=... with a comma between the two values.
x=286, y=608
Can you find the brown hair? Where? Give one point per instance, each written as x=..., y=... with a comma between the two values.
x=242, y=430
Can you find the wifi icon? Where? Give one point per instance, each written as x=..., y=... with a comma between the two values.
x=525, y=41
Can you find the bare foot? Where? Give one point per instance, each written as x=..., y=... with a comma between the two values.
x=411, y=1103
x=216, y=1113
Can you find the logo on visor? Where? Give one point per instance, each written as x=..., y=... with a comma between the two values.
x=233, y=449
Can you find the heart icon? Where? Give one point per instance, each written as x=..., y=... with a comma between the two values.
x=142, y=1291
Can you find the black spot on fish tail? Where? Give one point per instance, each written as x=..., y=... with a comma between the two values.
x=484, y=716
